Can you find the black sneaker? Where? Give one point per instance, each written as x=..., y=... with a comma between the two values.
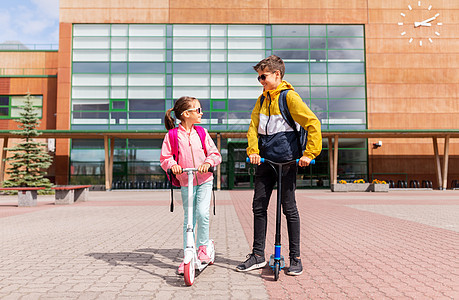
x=296, y=268
x=253, y=262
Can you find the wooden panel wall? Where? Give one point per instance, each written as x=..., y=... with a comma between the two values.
x=213, y=11
x=411, y=86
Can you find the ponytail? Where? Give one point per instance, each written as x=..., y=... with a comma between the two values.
x=182, y=104
x=169, y=122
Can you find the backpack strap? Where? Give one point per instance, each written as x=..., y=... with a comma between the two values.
x=202, y=135
x=288, y=117
x=173, y=138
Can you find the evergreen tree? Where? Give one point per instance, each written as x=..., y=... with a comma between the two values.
x=30, y=157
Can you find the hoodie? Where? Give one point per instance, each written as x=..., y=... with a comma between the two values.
x=191, y=155
x=271, y=137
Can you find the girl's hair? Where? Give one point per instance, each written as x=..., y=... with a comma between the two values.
x=181, y=105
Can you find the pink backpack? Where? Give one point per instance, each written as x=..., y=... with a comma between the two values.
x=173, y=138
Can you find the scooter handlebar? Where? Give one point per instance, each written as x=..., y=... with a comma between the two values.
x=210, y=170
x=312, y=162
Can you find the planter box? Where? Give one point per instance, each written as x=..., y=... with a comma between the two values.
x=378, y=187
x=359, y=187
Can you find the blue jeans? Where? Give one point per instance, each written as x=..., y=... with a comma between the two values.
x=201, y=204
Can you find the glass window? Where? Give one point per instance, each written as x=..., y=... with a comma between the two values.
x=91, y=43
x=91, y=55
x=345, y=30
x=347, y=104
x=143, y=67
x=94, y=67
x=290, y=43
x=345, y=43
x=347, y=92
x=147, y=43
x=142, y=92
x=146, y=55
x=119, y=30
x=146, y=30
x=190, y=67
x=90, y=79
x=119, y=42
x=290, y=30
x=184, y=55
x=241, y=104
x=318, y=43
x=346, y=68
x=292, y=54
x=146, y=80
x=91, y=30
x=246, y=30
x=191, y=30
x=246, y=43
x=146, y=104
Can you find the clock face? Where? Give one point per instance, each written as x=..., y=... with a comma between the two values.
x=419, y=23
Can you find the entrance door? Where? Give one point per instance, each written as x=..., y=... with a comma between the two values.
x=240, y=173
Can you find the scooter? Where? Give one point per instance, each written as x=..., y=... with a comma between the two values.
x=276, y=260
x=191, y=260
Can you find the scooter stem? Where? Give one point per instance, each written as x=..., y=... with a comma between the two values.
x=277, y=242
x=189, y=225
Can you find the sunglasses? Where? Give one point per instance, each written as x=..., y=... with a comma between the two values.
x=198, y=110
x=263, y=77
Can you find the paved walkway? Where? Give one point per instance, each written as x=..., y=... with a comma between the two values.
x=127, y=245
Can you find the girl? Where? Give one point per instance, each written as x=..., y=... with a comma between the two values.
x=191, y=155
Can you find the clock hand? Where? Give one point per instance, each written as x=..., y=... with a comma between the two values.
x=417, y=24
x=426, y=22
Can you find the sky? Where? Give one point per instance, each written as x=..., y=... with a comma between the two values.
x=29, y=21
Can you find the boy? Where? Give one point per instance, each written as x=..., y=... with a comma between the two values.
x=269, y=136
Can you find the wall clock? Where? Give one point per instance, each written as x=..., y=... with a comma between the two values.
x=420, y=23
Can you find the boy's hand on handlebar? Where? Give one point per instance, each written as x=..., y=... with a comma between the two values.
x=204, y=168
x=255, y=159
x=176, y=169
x=304, y=161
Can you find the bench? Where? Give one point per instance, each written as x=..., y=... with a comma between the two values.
x=27, y=196
x=68, y=194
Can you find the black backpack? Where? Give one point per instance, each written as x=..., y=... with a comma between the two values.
x=302, y=134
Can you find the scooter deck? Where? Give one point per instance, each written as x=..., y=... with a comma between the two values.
x=271, y=262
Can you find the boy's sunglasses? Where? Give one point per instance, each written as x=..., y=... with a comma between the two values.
x=262, y=77
x=198, y=110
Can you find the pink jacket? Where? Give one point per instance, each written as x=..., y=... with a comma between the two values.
x=191, y=155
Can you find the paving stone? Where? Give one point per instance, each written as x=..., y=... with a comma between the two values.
x=396, y=245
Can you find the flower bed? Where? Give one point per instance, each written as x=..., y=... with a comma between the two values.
x=360, y=186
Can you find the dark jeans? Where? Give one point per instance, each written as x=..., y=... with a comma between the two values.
x=265, y=179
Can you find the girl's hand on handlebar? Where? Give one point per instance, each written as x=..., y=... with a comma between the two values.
x=255, y=159
x=176, y=169
x=204, y=168
x=304, y=161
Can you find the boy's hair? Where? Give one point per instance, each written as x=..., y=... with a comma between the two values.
x=271, y=63
x=181, y=105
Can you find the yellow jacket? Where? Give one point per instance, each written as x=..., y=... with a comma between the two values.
x=268, y=125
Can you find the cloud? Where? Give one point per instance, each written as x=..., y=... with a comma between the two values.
x=48, y=7
x=30, y=22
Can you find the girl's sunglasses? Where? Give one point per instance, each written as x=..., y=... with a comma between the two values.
x=198, y=110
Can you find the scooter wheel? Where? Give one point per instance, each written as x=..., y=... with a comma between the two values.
x=189, y=273
x=276, y=270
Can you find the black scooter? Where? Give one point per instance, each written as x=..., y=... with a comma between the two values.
x=276, y=260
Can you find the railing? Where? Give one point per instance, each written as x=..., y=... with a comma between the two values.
x=28, y=71
x=29, y=47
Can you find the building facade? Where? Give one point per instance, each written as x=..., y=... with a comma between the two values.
x=357, y=64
